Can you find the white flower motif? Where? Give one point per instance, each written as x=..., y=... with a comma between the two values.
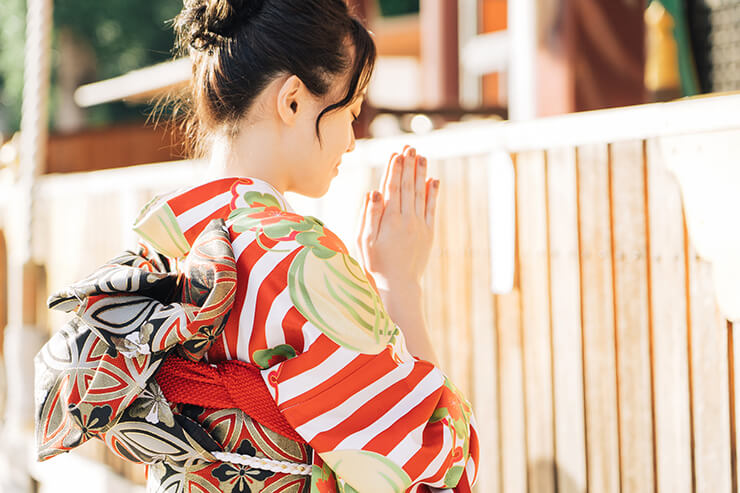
x=134, y=344
x=152, y=405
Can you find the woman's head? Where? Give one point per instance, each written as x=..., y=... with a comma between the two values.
x=312, y=53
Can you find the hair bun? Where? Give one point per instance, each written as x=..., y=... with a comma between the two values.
x=202, y=23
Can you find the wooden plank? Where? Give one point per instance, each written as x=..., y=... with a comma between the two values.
x=667, y=277
x=512, y=427
x=511, y=395
x=434, y=277
x=458, y=268
x=631, y=316
x=484, y=395
x=709, y=382
x=570, y=441
x=533, y=265
x=597, y=314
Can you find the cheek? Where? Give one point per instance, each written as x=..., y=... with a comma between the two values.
x=334, y=139
x=343, y=135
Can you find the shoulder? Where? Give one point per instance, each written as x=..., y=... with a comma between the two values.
x=262, y=214
x=326, y=284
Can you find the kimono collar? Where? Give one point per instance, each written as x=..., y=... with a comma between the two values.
x=172, y=222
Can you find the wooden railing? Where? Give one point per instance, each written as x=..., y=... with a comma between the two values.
x=608, y=367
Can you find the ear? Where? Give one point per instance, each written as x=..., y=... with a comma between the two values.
x=290, y=99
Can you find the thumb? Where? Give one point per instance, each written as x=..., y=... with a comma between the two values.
x=361, y=223
x=373, y=216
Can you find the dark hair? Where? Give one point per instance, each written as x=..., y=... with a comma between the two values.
x=239, y=46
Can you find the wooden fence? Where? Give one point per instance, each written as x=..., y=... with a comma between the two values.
x=608, y=368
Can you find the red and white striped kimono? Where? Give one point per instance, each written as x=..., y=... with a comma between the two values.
x=376, y=419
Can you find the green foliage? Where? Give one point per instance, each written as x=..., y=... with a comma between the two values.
x=390, y=8
x=12, y=34
x=123, y=35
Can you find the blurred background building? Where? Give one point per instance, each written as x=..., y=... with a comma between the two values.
x=444, y=60
x=571, y=290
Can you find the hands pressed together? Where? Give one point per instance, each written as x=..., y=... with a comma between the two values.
x=397, y=224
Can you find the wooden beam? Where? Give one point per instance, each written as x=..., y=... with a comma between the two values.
x=142, y=84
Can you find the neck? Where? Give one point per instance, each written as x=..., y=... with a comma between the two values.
x=252, y=153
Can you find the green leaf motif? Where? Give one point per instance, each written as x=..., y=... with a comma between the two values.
x=311, y=240
x=257, y=199
x=265, y=215
x=316, y=220
x=453, y=476
x=285, y=227
x=335, y=296
x=461, y=427
x=322, y=478
x=265, y=358
x=346, y=488
x=439, y=414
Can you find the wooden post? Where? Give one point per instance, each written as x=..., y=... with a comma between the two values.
x=439, y=53
x=522, y=26
x=468, y=26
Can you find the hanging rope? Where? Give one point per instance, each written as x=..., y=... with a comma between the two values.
x=34, y=124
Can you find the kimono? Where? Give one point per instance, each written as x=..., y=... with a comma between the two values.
x=228, y=272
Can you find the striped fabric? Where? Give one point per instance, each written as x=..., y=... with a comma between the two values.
x=338, y=368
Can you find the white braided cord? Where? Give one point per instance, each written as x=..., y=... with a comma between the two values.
x=264, y=463
x=34, y=121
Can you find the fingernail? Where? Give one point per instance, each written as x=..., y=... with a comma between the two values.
x=412, y=152
x=435, y=184
x=422, y=161
x=376, y=196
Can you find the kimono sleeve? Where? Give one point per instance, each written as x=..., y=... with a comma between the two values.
x=383, y=420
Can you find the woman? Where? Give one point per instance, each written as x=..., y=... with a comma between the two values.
x=243, y=349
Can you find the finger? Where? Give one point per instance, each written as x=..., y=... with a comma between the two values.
x=393, y=199
x=432, y=196
x=408, y=201
x=372, y=216
x=386, y=174
x=421, y=185
x=361, y=229
x=384, y=188
x=375, y=213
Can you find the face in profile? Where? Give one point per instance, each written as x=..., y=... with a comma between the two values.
x=323, y=153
